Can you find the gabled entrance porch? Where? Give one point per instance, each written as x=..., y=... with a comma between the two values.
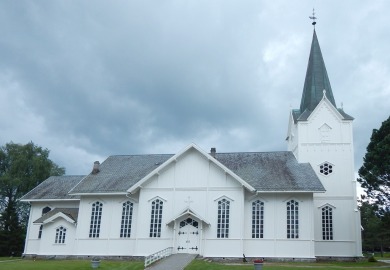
x=188, y=232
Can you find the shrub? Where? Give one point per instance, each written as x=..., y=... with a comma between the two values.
x=372, y=259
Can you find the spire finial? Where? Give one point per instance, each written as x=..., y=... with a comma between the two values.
x=313, y=18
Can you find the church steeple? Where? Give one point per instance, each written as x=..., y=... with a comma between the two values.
x=316, y=80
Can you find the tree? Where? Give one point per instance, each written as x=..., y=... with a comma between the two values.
x=376, y=224
x=22, y=167
x=371, y=224
x=374, y=175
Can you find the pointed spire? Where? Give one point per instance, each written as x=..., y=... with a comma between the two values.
x=316, y=80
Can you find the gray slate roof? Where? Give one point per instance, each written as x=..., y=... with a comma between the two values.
x=345, y=115
x=265, y=171
x=72, y=213
x=54, y=187
x=272, y=171
x=119, y=173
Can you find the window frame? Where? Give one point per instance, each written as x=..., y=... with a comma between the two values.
x=223, y=218
x=126, y=219
x=292, y=218
x=327, y=223
x=258, y=219
x=60, y=235
x=157, y=206
x=96, y=219
x=326, y=168
x=45, y=210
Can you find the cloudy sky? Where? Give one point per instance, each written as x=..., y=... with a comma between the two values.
x=89, y=79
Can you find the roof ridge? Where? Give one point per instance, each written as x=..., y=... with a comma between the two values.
x=253, y=152
x=133, y=155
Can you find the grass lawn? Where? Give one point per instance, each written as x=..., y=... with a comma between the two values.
x=378, y=255
x=25, y=264
x=68, y=265
x=200, y=265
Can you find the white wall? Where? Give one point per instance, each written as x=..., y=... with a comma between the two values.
x=325, y=137
x=33, y=244
x=109, y=241
x=193, y=177
x=275, y=242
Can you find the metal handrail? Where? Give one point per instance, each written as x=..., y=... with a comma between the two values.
x=158, y=256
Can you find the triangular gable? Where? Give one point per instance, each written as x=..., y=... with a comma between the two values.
x=325, y=128
x=139, y=184
x=329, y=105
x=187, y=212
x=70, y=215
x=326, y=204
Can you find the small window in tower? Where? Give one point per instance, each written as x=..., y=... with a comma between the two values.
x=326, y=168
x=325, y=133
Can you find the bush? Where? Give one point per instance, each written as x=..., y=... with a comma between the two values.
x=372, y=259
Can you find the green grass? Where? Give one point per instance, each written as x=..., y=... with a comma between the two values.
x=27, y=264
x=378, y=255
x=69, y=265
x=200, y=265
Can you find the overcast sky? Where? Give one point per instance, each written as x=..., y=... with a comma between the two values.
x=89, y=79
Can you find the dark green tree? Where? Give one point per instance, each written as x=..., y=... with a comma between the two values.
x=376, y=227
x=372, y=227
x=22, y=167
x=374, y=175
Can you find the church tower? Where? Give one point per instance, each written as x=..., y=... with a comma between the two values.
x=321, y=134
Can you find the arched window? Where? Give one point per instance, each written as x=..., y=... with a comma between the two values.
x=96, y=218
x=127, y=215
x=60, y=235
x=223, y=218
x=156, y=218
x=327, y=223
x=292, y=219
x=257, y=219
x=44, y=211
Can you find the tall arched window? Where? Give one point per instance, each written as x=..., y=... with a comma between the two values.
x=292, y=219
x=127, y=216
x=327, y=223
x=44, y=211
x=96, y=218
x=156, y=218
x=257, y=219
x=60, y=235
x=223, y=218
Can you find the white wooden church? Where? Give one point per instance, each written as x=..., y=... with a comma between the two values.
x=299, y=203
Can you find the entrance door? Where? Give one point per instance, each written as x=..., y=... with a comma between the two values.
x=188, y=236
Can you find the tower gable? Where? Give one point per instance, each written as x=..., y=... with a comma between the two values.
x=325, y=109
x=325, y=125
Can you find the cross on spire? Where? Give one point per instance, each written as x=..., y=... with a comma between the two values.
x=188, y=201
x=313, y=18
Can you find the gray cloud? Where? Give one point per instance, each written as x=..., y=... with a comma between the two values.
x=90, y=80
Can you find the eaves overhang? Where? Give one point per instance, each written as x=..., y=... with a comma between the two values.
x=99, y=193
x=68, y=214
x=48, y=200
x=290, y=191
x=52, y=218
